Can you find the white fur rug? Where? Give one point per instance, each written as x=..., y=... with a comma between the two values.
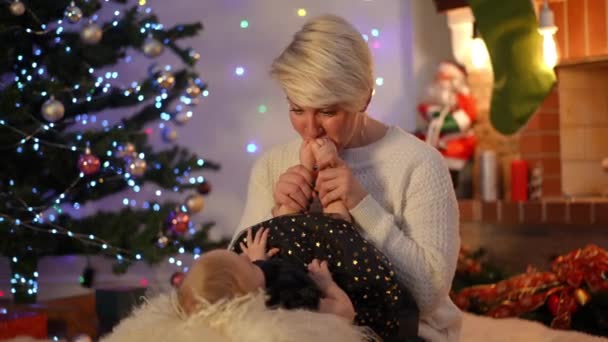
x=482, y=328
x=244, y=319
x=248, y=320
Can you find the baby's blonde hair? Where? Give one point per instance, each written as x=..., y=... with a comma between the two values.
x=327, y=63
x=211, y=278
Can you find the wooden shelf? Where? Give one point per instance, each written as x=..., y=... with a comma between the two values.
x=581, y=212
x=583, y=61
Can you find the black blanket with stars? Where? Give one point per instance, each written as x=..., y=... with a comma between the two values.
x=360, y=269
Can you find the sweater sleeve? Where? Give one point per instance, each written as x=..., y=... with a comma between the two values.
x=424, y=247
x=259, y=203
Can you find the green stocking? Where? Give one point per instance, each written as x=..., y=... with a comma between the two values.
x=521, y=79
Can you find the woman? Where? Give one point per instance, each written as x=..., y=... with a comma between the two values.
x=397, y=189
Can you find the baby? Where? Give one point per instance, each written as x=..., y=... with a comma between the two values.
x=223, y=274
x=282, y=256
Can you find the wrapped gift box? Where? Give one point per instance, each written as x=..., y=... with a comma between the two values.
x=23, y=323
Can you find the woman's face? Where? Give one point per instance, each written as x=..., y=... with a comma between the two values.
x=332, y=122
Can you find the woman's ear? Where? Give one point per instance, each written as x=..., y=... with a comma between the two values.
x=369, y=99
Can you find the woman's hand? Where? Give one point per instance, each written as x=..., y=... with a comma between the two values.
x=339, y=183
x=255, y=247
x=294, y=189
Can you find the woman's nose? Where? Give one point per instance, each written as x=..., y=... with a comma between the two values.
x=313, y=127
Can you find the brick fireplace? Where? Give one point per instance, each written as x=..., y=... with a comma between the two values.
x=567, y=136
x=583, y=90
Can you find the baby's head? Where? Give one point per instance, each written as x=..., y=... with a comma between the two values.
x=218, y=274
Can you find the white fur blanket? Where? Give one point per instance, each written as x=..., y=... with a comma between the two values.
x=251, y=321
x=242, y=319
x=482, y=328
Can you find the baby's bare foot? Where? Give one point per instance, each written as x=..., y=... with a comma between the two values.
x=307, y=158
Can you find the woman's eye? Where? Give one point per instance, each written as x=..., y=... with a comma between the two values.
x=296, y=111
x=328, y=112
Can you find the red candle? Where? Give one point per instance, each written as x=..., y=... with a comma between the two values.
x=519, y=180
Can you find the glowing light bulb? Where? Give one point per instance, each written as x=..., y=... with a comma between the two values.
x=547, y=29
x=479, y=53
x=549, y=47
x=301, y=12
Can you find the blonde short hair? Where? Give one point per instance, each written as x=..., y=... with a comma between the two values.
x=211, y=278
x=327, y=63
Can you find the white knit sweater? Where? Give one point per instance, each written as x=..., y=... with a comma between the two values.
x=410, y=214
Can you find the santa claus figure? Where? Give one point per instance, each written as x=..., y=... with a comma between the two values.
x=447, y=114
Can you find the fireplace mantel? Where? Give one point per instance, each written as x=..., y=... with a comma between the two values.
x=558, y=211
x=601, y=60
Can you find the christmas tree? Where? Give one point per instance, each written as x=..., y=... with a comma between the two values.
x=58, y=78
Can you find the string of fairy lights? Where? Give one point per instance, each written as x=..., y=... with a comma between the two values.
x=89, y=164
x=102, y=83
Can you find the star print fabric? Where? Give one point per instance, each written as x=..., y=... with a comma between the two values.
x=360, y=269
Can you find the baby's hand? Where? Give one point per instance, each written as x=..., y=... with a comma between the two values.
x=255, y=247
x=325, y=153
x=319, y=272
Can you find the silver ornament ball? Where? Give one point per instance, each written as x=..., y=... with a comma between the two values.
x=183, y=117
x=91, y=34
x=153, y=48
x=162, y=241
x=17, y=8
x=52, y=110
x=190, y=102
x=73, y=13
x=194, y=56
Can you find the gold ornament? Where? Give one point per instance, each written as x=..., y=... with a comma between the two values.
x=73, y=13
x=195, y=203
x=153, y=48
x=17, y=8
x=165, y=80
x=193, y=90
x=52, y=110
x=91, y=34
x=137, y=167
